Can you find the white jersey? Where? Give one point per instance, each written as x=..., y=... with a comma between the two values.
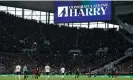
x=47, y=69
x=62, y=70
x=18, y=68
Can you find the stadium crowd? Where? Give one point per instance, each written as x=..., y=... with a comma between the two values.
x=125, y=66
x=52, y=44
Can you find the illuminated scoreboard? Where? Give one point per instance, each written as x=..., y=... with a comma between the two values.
x=81, y=11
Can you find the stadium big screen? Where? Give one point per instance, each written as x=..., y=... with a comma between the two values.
x=81, y=11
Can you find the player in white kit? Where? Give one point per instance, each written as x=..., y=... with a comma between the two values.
x=62, y=72
x=47, y=71
x=18, y=72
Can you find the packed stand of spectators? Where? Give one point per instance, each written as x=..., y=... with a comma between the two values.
x=125, y=66
x=53, y=44
x=127, y=34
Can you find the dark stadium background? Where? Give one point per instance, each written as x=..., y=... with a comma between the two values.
x=28, y=36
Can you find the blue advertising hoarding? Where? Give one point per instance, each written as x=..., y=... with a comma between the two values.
x=81, y=11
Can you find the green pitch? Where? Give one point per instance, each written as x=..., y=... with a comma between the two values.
x=12, y=77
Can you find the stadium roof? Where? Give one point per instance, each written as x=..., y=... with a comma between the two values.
x=34, y=5
x=120, y=7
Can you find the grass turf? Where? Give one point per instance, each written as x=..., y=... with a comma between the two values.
x=12, y=77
